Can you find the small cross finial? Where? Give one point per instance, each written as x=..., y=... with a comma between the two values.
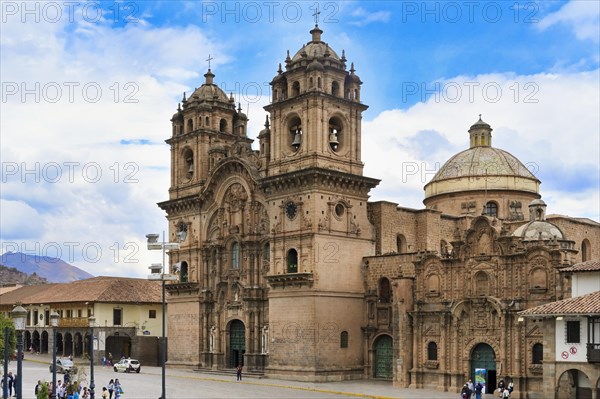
x=479, y=116
x=316, y=15
x=209, y=59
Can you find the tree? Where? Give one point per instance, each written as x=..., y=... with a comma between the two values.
x=12, y=337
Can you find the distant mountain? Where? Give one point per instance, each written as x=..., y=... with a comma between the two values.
x=10, y=275
x=53, y=269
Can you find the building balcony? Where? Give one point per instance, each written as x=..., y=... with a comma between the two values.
x=593, y=353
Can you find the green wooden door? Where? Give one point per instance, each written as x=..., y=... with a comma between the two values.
x=483, y=367
x=384, y=357
x=237, y=343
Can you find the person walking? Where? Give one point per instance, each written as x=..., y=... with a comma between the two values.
x=104, y=393
x=11, y=382
x=118, y=389
x=478, y=390
x=238, y=371
x=111, y=388
x=471, y=388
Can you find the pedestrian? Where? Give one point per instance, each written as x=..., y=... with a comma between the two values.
x=511, y=387
x=103, y=360
x=501, y=387
x=111, y=388
x=118, y=389
x=104, y=393
x=238, y=370
x=464, y=393
x=11, y=382
x=37, y=387
x=85, y=394
x=110, y=359
x=478, y=390
x=505, y=394
x=471, y=388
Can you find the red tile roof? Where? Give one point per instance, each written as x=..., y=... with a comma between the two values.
x=589, y=266
x=584, y=305
x=97, y=289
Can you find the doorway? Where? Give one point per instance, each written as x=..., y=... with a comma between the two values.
x=384, y=357
x=483, y=367
x=237, y=343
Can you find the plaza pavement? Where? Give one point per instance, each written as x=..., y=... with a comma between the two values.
x=206, y=384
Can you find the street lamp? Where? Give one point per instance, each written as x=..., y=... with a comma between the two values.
x=54, y=322
x=91, y=321
x=19, y=315
x=157, y=273
x=5, y=375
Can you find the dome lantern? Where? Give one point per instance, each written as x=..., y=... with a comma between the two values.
x=481, y=134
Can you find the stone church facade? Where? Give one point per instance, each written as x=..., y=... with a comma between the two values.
x=288, y=269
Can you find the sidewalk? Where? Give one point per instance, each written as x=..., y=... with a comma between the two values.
x=376, y=389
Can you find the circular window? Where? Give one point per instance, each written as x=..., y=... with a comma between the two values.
x=291, y=209
x=339, y=210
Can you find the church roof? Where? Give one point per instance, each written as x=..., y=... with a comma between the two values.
x=209, y=91
x=538, y=230
x=584, y=305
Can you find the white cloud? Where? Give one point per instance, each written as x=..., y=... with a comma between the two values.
x=581, y=16
x=363, y=17
x=546, y=120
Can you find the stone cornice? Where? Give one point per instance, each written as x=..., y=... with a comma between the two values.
x=179, y=205
x=318, y=177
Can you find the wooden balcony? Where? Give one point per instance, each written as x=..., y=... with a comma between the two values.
x=593, y=353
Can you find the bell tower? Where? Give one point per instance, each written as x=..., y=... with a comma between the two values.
x=316, y=111
x=317, y=198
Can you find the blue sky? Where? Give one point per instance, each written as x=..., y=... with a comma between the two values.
x=88, y=90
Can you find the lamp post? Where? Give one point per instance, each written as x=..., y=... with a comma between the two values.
x=157, y=273
x=5, y=375
x=91, y=321
x=19, y=315
x=54, y=322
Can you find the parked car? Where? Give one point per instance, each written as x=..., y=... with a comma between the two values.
x=127, y=366
x=64, y=365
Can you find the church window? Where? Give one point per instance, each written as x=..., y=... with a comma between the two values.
x=183, y=274
x=537, y=353
x=335, y=88
x=292, y=261
x=356, y=97
x=267, y=252
x=339, y=210
x=573, y=332
x=188, y=157
x=318, y=82
x=235, y=255
x=344, y=339
x=335, y=133
x=482, y=284
x=585, y=250
x=222, y=125
x=213, y=257
x=385, y=291
x=400, y=244
x=311, y=82
x=296, y=89
x=491, y=209
x=295, y=127
x=190, y=125
x=432, y=352
x=207, y=121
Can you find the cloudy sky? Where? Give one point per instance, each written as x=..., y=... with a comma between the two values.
x=88, y=89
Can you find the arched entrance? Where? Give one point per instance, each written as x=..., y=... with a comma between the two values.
x=118, y=345
x=68, y=345
x=384, y=357
x=60, y=348
x=483, y=367
x=27, y=341
x=36, y=341
x=78, y=345
x=237, y=343
x=44, y=347
x=574, y=384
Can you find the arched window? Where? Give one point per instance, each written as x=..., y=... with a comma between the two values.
x=586, y=250
x=222, y=125
x=207, y=122
x=433, y=284
x=344, y=339
x=335, y=134
x=311, y=83
x=183, y=274
x=235, y=255
x=491, y=209
x=385, y=291
x=188, y=158
x=292, y=261
x=267, y=252
x=190, y=125
x=432, y=351
x=213, y=257
x=400, y=244
x=335, y=88
x=537, y=353
x=319, y=82
x=296, y=89
x=295, y=126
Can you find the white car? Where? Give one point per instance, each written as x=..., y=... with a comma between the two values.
x=127, y=366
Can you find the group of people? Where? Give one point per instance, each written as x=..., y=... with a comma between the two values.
x=505, y=391
x=11, y=384
x=469, y=389
x=113, y=388
x=107, y=360
x=62, y=390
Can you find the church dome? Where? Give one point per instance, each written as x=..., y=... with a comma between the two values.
x=482, y=167
x=538, y=230
x=316, y=48
x=209, y=91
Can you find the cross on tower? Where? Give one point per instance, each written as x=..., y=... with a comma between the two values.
x=316, y=15
x=209, y=59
